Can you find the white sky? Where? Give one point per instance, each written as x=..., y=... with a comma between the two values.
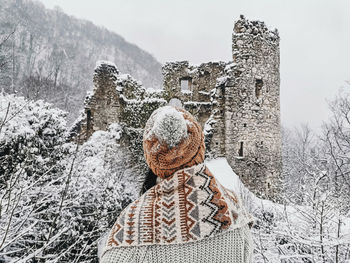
x=315, y=39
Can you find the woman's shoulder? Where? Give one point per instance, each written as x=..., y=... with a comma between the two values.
x=188, y=206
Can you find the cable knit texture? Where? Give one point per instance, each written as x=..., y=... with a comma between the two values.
x=234, y=247
x=165, y=159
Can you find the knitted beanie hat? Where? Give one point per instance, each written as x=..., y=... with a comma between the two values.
x=172, y=140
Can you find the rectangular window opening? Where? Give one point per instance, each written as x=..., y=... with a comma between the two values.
x=240, y=152
x=186, y=84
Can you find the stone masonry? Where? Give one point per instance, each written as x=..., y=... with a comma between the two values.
x=236, y=102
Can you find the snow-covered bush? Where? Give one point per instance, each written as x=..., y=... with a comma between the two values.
x=32, y=135
x=32, y=152
x=102, y=183
x=57, y=198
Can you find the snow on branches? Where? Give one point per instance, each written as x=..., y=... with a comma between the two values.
x=56, y=198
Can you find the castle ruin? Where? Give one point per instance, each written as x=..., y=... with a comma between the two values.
x=237, y=103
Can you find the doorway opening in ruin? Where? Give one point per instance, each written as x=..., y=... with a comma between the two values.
x=258, y=87
x=240, y=151
x=88, y=119
x=186, y=84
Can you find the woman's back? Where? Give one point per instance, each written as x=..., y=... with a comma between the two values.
x=187, y=216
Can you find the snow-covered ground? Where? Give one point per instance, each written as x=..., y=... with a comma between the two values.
x=224, y=174
x=282, y=233
x=229, y=179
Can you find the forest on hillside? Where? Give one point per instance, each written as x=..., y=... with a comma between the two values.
x=46, y=54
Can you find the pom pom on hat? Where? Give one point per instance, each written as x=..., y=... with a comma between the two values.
x=169, y=126
x=172, y=140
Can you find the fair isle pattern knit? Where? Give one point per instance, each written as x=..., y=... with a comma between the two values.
x=188, y=206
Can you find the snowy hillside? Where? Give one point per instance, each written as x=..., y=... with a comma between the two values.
x=46, y=54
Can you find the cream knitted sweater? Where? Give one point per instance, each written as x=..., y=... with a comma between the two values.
x=232, y=246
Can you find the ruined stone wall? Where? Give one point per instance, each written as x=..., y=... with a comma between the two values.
x=252, y=109
x=102, y=106
x=237, y=104
x=118, y=98
x=214, y=128
x=201, y=81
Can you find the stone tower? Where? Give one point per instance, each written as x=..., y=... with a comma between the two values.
x=252, y=107
x=236, y=102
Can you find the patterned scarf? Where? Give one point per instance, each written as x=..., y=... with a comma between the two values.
x=188, y=206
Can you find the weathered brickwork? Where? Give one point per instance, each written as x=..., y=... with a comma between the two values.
x=237, y=104
x=200, y=81
x=116, y=98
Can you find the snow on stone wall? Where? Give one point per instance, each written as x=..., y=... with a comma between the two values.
x=236, y=102
x=253, y=132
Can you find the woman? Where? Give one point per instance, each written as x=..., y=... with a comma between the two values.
x=187, y=216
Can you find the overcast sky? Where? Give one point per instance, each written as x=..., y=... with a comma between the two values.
x=315, y=39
